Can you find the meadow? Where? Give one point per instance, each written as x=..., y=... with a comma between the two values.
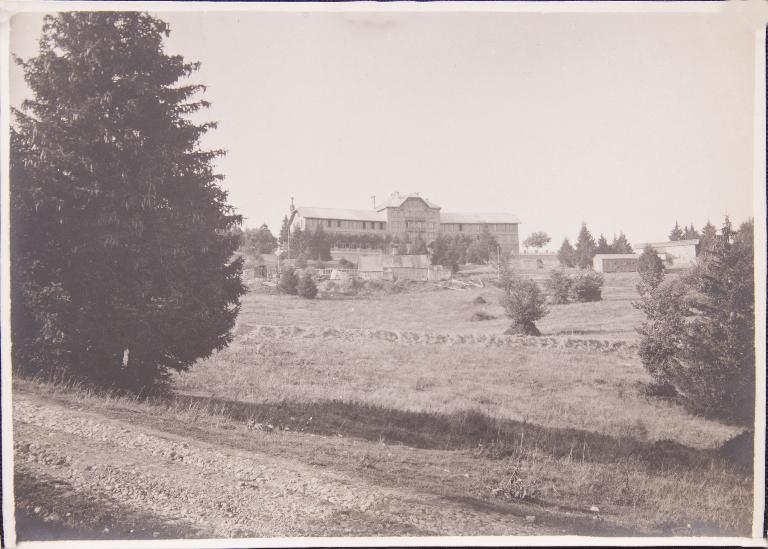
x=573, y=427
x=565, y=439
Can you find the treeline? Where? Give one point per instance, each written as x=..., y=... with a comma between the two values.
x=454, y=250
x=587, y=247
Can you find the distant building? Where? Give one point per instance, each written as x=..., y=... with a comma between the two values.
x=615, y=263
x=410, y=217
x=676, y=254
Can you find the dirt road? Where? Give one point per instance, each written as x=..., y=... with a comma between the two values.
x=146, y=482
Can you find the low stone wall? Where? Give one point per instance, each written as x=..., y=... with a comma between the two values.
x=423, y=338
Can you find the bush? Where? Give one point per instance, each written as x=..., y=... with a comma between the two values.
x=699, y=332
x=559, y=286
x=344, y=263
x=587, y=286
x=524, y=304
x=651, y=270
x=306, y=287
x=288, y=281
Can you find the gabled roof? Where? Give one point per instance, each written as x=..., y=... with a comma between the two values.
x=335, y=213
x=397, y=200
x=448, y=217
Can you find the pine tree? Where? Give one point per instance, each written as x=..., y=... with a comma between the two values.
x=676, y=233
x=708, y=238
x=566, y=255
x=602, y=246
x=585, y=248
x=122, y=238
x=690, y=233
x=621, y=245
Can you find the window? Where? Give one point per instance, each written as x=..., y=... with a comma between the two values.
x=365, y=225
x=381, y=225
x=338, y=222
x=329, y=222
x=461, y=227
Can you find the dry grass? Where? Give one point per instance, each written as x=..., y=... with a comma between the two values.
x=596, y=392
x=474, y=424
x=450, y=311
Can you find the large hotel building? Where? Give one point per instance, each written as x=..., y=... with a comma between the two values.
x=409, y=215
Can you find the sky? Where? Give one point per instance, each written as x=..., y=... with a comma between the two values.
x=625, y=121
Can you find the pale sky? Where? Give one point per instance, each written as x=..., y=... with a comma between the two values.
x=626, y=121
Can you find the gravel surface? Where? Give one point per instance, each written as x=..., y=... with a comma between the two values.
x=223, y=491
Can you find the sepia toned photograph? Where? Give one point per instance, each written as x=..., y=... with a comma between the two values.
x=383, y=274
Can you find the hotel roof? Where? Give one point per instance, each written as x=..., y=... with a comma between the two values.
x=448, y=217
x=335, y=213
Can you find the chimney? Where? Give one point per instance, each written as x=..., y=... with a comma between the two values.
x=373, y=199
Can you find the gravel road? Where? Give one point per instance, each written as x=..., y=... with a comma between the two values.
x=205, y=490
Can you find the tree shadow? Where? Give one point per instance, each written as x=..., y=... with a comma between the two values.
x=493, y=437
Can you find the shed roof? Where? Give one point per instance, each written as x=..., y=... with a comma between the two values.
x=668, y=244
x=449, y=217
x=335, y=213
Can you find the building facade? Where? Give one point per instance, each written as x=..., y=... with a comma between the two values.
x=676, y=254
x=409, y=217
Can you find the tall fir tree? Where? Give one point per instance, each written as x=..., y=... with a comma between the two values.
x=602, y=245
x=708, y=238
x=621, y=245
x=690, y=233
x=585, y=248
x=566, y=255
x=676, y=233
x=122, y=239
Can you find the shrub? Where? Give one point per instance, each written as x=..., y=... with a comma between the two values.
x=288, y=281
x=559, y=286
x=651, y=270
x=587, y=286
x=306, y=287
x=699, y=332
x=524, y=304
x=344, y=263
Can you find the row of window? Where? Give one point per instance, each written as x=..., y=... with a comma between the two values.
x=366, y=224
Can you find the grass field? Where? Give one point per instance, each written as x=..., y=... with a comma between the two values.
x=577, y=423
x=449, y=311
x=543, y=432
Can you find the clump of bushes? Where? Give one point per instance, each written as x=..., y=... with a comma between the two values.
x=288, y=281
x=587, y=286
x=523, y=302
x=344, y=263
x=650, y=267
x=583, y=286
x=559, y=287
x=306, y=287
x=699, y=333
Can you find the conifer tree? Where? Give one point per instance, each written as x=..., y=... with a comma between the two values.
x=566, y=255
x=284, y=232
x=708, y=238
x=122, y=238
x=602, y=245
x=585, y=248
x=676, y=233
x=621, y=245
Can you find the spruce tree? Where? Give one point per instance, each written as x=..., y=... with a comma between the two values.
x=585, y=248
x=707, y=239
x=676, y=233
x=621, y=245
x=122, y=238
x=602, y=246
x=284, y=232
x=566, y=255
